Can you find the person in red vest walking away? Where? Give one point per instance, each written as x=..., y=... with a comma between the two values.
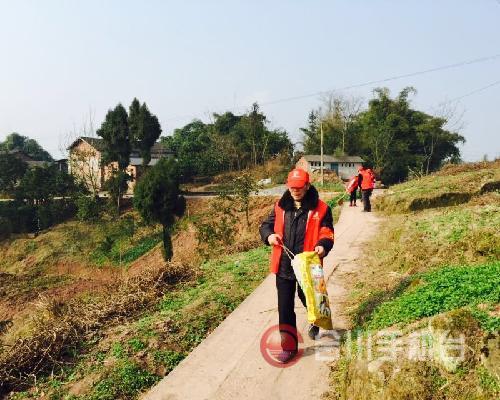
x=352, y=189
x=301, y=222
x=366, y=181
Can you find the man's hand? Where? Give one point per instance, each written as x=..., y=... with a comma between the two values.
x=320, y=250
x=274, y=239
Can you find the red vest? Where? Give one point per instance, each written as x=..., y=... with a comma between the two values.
x=314, y=231
x=368, y=181
x=353, y=184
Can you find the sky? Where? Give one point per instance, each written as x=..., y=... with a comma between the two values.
x=62, y=61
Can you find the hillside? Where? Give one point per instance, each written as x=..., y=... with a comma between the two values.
x=425, y=307
x=91, y=310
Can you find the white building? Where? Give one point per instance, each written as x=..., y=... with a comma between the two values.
x=345, y=166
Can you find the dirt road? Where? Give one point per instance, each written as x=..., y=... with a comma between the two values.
x=229, y=365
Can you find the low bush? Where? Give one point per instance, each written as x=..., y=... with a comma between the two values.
x=89, y=208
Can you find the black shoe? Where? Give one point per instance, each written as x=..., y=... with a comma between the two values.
x=286, y=356
x=313, y=331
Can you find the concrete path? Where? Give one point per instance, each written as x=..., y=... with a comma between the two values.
x=229, y=365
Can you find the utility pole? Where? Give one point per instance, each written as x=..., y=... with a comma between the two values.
x=322, y=175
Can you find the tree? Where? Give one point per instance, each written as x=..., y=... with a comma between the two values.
x=256, y=133
x=157, y=198
x=312, y=140
x=15, y=141
x=116, y=185
x=231, y=142
x=192, y=144
x=84, y=166
x=116, y=135
x=242, y=187
x=338, y=116
x=341, y=115
x=435, y=143
x=397, y=139
x=391, y=136
x=12, y=169
x=40, y=185
x=217, y=226
x=145, y=129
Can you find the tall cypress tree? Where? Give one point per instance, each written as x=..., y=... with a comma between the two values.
x=157, y=198
x=116, y=135
x=145, y=129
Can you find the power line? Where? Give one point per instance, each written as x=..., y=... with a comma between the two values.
x=473, y=92
x=368, y=83
x=392, y=78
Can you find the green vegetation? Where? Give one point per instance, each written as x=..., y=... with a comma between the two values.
x=122, y=133
x=141, y=247
x=157, y=198
x=103, y=243
x=441, y=290
x=220, y=288
x=12, y=169
x=448, y=187
x=17, y=142
x=130, y=358
x=330, y=187
x=125, y=381
x=437, y=268
x=145, y=129
x=390, y=135
x=168, y=358
x=336, y=204
x=122, y=242
x=34, y=188
x=231, y=143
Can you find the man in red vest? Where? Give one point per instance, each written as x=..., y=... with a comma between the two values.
x=366, y=181
x=301, y=222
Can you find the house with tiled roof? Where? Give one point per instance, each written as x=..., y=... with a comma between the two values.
x=85, y=162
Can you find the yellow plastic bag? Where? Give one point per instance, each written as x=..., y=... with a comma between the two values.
x=309, y=273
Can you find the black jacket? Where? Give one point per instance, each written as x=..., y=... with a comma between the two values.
x=295, y=227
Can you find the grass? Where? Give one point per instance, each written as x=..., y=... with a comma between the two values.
x=132, y=357
x=125, y=380
x=335, y=204
x=104, y=313
x=439, y=291
x=330, y=187
x=103, y=243
x=440, y=189
x=220, y=288
x=435, y=260
x=416, y=242
x=191, y=310
x=124, y=250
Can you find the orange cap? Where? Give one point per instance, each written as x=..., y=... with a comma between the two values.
x=297, y=178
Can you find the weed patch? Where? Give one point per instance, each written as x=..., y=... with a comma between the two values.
x=442, y=290
x=124, y=381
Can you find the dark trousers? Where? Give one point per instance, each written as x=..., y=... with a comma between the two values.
x=352, y=199
x=365, y=194
x=286, y=304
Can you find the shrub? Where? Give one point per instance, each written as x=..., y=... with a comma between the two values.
x=88, y=208
x=5, y=228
